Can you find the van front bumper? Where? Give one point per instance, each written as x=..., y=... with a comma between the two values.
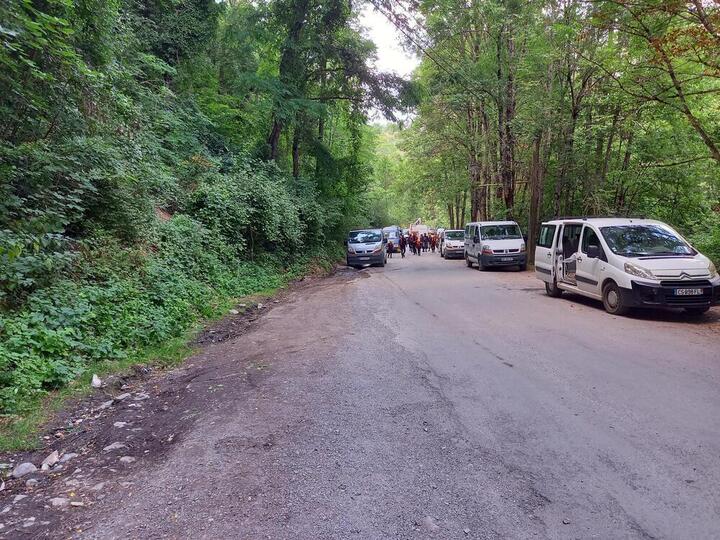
x=508, y=259
x=365, y=258
x=664, y=294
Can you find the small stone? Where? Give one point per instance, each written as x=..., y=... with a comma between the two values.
x=466, y=530
x=140, y=396
x=120, y=424
x=19, y=498
x=127, y=459
x=67, y=457
x=260, y=305
x=31, y=483
x=105, y=405
x=77, y=503
x=122, y=396
x=242, y=305
x=234, y=312
x=50, y=460
x=23, y=469
x=566, y=521
x=59, y=502
x=96, y=381
x=126, y=484
x=114, y=446
x=4, y=466
x=98, y=487
x=429, y=524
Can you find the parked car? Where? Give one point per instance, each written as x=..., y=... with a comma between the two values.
x=452, y=243
x=366, y=246
x=392, y=234
x=625, y=262
x=494, y=243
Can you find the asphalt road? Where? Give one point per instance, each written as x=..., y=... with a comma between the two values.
x=429, y=400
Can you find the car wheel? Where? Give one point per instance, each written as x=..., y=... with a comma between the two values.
x=468, y=262
x=480, y=266
x=612, y=299
x=696, y=311
x=553, y=290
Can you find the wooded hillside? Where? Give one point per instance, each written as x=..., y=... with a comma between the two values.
x=159, y=157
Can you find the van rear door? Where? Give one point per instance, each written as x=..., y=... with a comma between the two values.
x=544, y=263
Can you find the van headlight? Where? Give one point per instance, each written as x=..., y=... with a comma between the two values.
x=522, y=248
x=350, y=249
x=378, y=249
x=712, y=270
x=638, y=271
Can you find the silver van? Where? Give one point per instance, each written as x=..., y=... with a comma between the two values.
x=366, y=246
x=495, y=243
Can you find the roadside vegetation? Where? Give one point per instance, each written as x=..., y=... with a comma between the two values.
x=159, y=159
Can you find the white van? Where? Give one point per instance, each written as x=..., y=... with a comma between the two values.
x=494, y=243
x=625, y=262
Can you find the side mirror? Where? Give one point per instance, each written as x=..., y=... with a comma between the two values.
x=593, y=252
x=345, y=242
x=476, y=238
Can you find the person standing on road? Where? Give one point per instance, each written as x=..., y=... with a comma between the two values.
x=433, y=243
x=403, y=245
x=390, y=249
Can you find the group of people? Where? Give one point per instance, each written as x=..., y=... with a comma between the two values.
x=417, y=243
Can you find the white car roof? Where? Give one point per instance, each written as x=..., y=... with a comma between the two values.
x=483, y=223
x=606, y=221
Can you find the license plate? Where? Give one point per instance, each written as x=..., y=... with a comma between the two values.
x=506, y=259
x=364, y=258
x=688, y=292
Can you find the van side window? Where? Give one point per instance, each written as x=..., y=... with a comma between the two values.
x=589, y=239
x=547, y=233
x=571, y=239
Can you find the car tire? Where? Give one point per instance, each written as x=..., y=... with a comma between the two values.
x=553, y=290
x=468, y=262
x=696, y=311
x=480, y=265
x=612, y=299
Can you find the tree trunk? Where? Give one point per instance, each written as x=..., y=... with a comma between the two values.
x=296, y=153
x=537, y=178
x=289, y=70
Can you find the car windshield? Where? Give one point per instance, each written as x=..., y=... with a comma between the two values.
x=454, y=235
x=500, y=232
x=640, y=240
x=364, y=237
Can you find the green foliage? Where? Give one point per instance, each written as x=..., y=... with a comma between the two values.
x=132, y=199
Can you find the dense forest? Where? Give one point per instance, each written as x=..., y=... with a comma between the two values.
x=160, y=158
x=544, y=108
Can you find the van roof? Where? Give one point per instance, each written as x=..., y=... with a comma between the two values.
x=483, y=223
x=605, y=221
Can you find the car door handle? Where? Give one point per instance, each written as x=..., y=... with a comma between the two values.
x=548, y=255
x=578, y=259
